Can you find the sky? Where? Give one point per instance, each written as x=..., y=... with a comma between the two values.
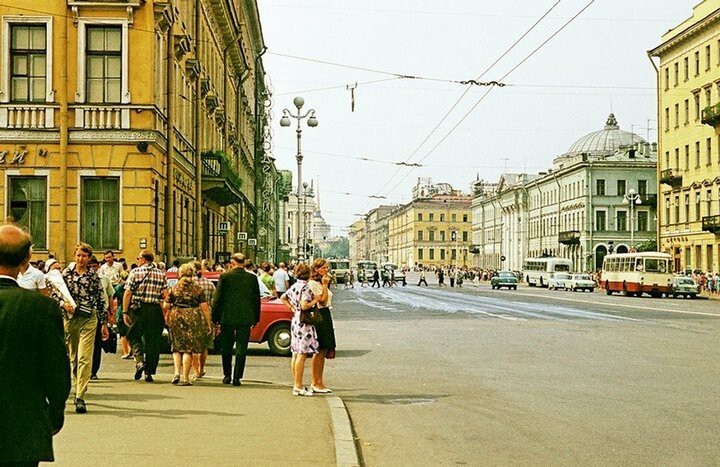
x=562, y=66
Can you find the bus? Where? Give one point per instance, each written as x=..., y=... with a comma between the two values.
x=366, y=269
x=339, y=266
x=537, y=271
x=636, y=273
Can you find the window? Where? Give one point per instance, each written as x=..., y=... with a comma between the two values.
x=621, y=223
x=432, y=253
x=420, y=235
x=621, y=188
x=432, y=217
x=708, y=200
x=420, y=254
x=28, y=63
x=697, y=205
x=642, y=221
x=667, y=78
x=642, y=187
x=707, y=57
x=708, y=96
x=696, y=97
x=687, y=111
x=676, y=71
x=677, y=158
x=28, y=207
x=431, y=235
x=453, y=254
x=600, y=220
x=442, y=217
x=667, y=118
x=667, y=159
x=686, y=69
x=697, y=154
x=667, y=210
x=442, y=254
x=708, y=151
x=687, y=157
x=465, y=217
x=677, y=209
x=465, y=236
x=442, y=235
x=687, y=208
x=677, y=115
x=453, y=217
x=104, y=71
x=100, y=215
x=600, y=187
x=697, y=63
x=419, y=217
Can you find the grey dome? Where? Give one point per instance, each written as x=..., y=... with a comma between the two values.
x=604, y=142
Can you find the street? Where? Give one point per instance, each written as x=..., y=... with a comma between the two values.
x=478, y=376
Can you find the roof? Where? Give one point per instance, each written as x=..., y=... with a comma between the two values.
x=604, y=142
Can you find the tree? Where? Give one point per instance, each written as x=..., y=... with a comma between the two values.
x=340, y=248
x=647, y=245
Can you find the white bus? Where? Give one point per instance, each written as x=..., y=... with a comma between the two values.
x=537, y=271
x=637, y=273
x=339, y=266
x=366, y=269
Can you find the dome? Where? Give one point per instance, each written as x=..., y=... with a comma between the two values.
x=604, y=142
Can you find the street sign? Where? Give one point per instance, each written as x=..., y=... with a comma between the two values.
x=503, y=258
x=223, y=226
x=242, y=236
x=252, y=241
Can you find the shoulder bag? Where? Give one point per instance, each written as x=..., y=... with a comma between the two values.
x=310, y=316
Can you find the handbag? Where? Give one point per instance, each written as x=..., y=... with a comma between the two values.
x=311, y=316
x=110, y=345
x=83, y=310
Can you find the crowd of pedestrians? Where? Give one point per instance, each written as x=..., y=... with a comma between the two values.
x=55, y=318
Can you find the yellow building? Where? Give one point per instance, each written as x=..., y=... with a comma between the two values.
x=689, y=140
x=134, y=124
x=434, y=231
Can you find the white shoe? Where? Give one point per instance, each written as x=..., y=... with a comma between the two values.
x=302, y=392
x=321, y=391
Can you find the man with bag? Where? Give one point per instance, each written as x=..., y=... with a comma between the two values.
x=236, y=307
x=35, y=377
x=143, y=314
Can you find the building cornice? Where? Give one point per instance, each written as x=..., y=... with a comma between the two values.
x=686, y=34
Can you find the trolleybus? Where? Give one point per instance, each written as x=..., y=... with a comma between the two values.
x=636, y=273
x=537, y=271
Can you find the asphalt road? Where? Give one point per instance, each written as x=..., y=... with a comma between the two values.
x=477, y=376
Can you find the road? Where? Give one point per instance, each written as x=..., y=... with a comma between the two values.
x=478, y=376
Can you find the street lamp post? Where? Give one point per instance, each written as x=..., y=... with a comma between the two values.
x=632, y=198
x=312, y=123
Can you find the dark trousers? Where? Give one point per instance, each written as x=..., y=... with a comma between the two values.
x=422, y=281
x=97, y=351
x=239, y=336
x=145, y=335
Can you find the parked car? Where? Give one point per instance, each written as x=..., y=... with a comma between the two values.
x=580, y=282
x=504, y=279
x=685, y=286
x=274, y=325
x=558, y=281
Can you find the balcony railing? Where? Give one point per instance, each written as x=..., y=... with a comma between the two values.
x=711, y=224
x=711, y=115
x=671, y=177
x=569, y=237
x=220, y=182
x=27, y=116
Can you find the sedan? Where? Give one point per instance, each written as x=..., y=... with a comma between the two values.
x=685, y=286
x=558, y=281
x=580, y=282
x=504, y=279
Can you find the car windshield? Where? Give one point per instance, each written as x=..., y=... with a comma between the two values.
x=506, y=274
x=685, y=280
x=584, y=277
x=562, y=276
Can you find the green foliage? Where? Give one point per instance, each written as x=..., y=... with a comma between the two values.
x=340, y=248
x=647, y=245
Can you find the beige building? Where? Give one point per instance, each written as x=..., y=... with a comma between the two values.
x=356, y=241
x=135, y=124
x=688, y=67
x=432, y=231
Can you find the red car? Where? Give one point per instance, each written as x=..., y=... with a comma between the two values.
x=274, y=325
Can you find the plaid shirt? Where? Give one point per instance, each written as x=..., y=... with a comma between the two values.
x=208, y=288
x=147, y=284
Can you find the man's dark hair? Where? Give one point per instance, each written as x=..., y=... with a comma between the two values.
x=176, y=263
x=15, y=245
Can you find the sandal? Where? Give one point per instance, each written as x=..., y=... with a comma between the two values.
x=175, y=380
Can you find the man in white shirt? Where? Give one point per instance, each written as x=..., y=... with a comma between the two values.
x=282, y=279
x=33, y=279
x=111, y=269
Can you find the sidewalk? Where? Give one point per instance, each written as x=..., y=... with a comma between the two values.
x=260, y=423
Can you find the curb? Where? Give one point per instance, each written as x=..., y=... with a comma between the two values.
x=345, y=450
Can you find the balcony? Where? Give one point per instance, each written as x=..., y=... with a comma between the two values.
x=28, y=116
x=220, y=182
x=711, y=115
x=671, y=177
x=569, y=237
x=711, y=224
x=648, y=200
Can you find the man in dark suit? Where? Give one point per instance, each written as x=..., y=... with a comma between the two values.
x=236, y=307
x=35, y=376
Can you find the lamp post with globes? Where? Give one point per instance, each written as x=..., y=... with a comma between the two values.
x=632, y=198
x=312, y=123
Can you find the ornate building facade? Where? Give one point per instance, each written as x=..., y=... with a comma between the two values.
x=688, y=87
x=135, y=125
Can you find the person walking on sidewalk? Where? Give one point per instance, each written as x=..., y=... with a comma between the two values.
x=319, y=291
x=236, y=306
x=422, y=278
x=35, y=377
x=143, y=314
x=188, y=316
x=303, y=337
x=208, y=288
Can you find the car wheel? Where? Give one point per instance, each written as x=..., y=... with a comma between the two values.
x=541, y=282
x=515, y=287
x=278, y=338
x=693, y=296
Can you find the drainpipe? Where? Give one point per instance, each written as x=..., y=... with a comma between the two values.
x=196, y=142
x=258, y=150
x=590, y=219
x=62, y=250
x=169, y=243
x=557, y=221
x=659, y=152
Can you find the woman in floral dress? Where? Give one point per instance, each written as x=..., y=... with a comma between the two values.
x=188, y=316
x=303, y=336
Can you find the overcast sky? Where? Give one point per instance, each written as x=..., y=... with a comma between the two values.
x=595, y=65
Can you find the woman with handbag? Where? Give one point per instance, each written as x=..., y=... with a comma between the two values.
x=303, y=335
x=188, y=316
x=81, y=321
x=318, y=284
